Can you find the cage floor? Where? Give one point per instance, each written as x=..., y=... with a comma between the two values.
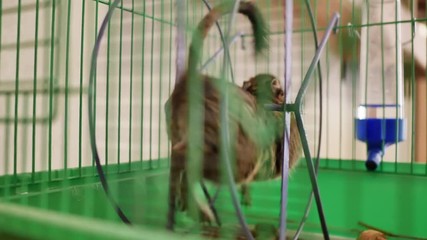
x=391, y=202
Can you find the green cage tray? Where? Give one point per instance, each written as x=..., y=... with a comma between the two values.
x=392, y=202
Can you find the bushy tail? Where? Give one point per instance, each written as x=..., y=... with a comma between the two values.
x=259, y=28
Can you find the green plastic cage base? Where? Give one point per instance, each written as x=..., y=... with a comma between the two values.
x=378, y=199
x=35, y=223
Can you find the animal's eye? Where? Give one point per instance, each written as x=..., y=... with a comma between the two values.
x=246, y=85
x=274, y=82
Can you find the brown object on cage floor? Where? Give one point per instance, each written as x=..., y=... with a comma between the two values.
x=385, y=233
x=371, y=235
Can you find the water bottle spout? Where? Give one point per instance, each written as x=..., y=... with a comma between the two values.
x=374, y=158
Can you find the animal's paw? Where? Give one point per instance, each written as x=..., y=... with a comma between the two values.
x=246, y=199
x=206, y=215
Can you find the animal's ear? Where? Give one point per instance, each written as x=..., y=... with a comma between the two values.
x=247, y=85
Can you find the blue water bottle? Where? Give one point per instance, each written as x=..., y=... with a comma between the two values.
x=379, y=118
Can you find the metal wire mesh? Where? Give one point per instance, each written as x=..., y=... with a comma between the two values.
x=46, y=165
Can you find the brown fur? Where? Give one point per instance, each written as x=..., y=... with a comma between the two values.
x=247, y=141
